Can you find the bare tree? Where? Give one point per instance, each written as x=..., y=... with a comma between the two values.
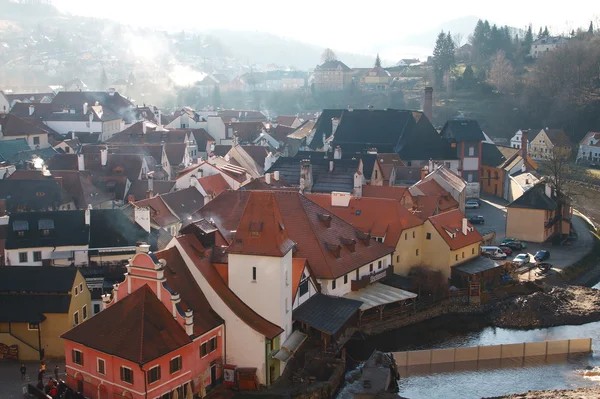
x=328, y=55
x=428, y=281
x=458, y=39
x=502, y=74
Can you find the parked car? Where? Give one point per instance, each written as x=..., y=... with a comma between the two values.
x=493, y=252
x=514, y=244
x=471, y=204
x=521, y=259
x=477, y=219
x=506, y=250
x=542, y=255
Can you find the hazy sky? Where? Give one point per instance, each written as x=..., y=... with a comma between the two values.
x=341, y=24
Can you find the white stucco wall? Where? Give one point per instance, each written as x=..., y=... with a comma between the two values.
x=342, y=289
x=216, y=128
x=80, y=252
x=64, y=127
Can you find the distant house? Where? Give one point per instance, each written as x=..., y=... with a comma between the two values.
x=377, y=79
x=542, y=145
x=535, y=217
x=332, y=76
x=288, y=120
x=545, y=44
x=38, y=305
x=589, y=148
x=516, y=141
x=12, y=128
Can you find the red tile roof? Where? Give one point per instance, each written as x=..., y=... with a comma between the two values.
x=181, y=280
x=261, y=184
x=302, y=219
x=138, y=328
x=261, y=230
x=159, y=211
x=12, y=125
x=451, y=222
x=214, y=185
x=431, y=188
x=424, y=207
x=390, y=192
x=201, y=261
x=381, y=217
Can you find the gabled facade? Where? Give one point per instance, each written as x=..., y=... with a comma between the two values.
x=467, y=137
x=332, y=76
x=545, y=141
x=158, y=335
x=589, y=148
x=13, y=128
x=546, y=44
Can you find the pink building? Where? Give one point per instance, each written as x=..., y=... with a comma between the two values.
x=158, y=335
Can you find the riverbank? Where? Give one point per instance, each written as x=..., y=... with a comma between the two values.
x=549, y=307
x=580, y=393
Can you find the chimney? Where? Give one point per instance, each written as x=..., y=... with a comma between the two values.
x=142, y=218
x=131, y=198
x=91, y=118
x=85, y=108
x=330, y=166
x=424, y=172
x=334, y=125
x=31, y=110
x=142, y=248
x=358, y=184
x=111, y=91
x=150, y=183
x=159, y=119
x=143, y=127
x=428, y=103
x=350, y=108
x=465, y=226
x=73, y=137
x=268, y=178
x=306, y=178
x=103, y=156
x=189, y=322
x=548, y=190
x=105, y=301
x=276, y=175
x=337, y=153
x=80, y=162
x=524, y=143
x=87, y=217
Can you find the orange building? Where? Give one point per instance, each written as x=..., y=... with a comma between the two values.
x=157, y=336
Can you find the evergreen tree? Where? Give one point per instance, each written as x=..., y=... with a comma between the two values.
x=540, y=33
x=443, y=56
x=528, y=40
x=216, y=97
x=468, y=76
x=103, y=80
x=378, y=61
x=591, y=28
x=546, y=32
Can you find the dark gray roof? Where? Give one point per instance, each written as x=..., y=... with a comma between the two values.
x=333, y=64
x=30, y=308
x=478, y=265
x=39, y=279
x=324, y=181
x=139, y=188
x=462, y=130
x=111, y=228
x=326, y=313
x=408, y=133
x=491, y=155
x=184, y=202
x=535, y=198
x=32, y=195
x=323, y=127
x=69, y=230
x=367, y=159
x=221, y=150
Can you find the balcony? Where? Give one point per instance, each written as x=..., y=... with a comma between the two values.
x=370, y=278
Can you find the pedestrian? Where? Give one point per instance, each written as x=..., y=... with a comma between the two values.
x=56, y=372
x=41, y=376
x=23, y=371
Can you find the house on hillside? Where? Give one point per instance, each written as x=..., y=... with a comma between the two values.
x=589, y=148
x=542, y=145
x=38, y=305
x=332, y=75
x=377, y=79
x=546, y=44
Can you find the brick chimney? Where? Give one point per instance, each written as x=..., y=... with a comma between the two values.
x=428, y=103
x=306, y=177
x=524, y=143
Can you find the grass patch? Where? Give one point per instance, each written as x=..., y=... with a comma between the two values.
x=584, y=265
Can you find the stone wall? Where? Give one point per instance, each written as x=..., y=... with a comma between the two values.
x=326, y=389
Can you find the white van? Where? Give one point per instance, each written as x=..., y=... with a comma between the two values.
x=493, y=252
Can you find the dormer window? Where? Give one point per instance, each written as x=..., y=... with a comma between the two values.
x=20, y=227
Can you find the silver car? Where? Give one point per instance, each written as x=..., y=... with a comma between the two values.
x=472, y=204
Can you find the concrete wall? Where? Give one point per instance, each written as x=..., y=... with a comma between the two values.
x=526, y=224
x=492, y=352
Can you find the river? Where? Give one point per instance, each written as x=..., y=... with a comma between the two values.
x=439, y=333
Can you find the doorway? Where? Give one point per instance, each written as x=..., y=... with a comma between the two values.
x=213, y=375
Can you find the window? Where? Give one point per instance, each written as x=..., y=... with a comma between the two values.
x=371, y=267
x=471, y=151
x=22, y=257
x=379, y=265
x=406, y=236
x=204, y=349
x=37, y=256
x=413, y=234
x=397, y=258
x=126, y=375
x=303, y=287
x=153, y=374
x=428, y=236
x=417, y=252
x=84, y=312
x=253, y=273
x=175, y=364
x=376, y=173
x=101, y=367
x=33, y=326
x=345, y=279
x=76, y=318
x=96, y=308
x=77, y=357
x=36, y=140
x=81, y=287
x=470, y=177
x=212, y=344
x=76, y=290
x=333, y=283
x=472, y=251
x=456, y=257
x=463, y=254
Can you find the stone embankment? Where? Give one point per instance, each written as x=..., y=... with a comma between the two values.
x=581, y=393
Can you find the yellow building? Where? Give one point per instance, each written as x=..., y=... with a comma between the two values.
x=450, y=240
x=38, y=305
x=377, y=78
x=544, y=142
x=534, y=215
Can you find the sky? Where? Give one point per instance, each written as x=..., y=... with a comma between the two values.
x=345, y=25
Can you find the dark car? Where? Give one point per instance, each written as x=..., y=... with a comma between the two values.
x=542, y=255
x=516, y=245
x=506, y=250
x=477, y=219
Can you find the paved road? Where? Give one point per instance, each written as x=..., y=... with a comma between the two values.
x=10, y=376
x=494, y=211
